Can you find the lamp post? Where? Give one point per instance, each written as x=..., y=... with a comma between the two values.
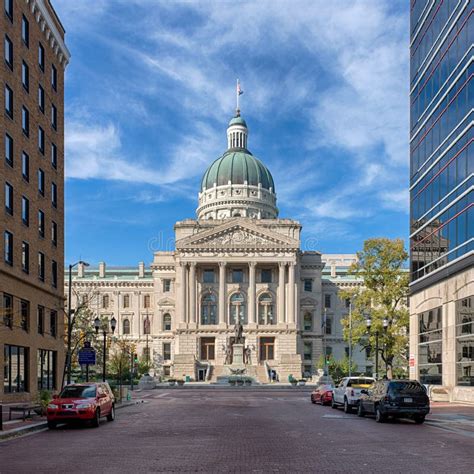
x=97, y=325
x=147, y=332
x=350, y=337
x=369, y=326
x=69, y=322
x=324, y=343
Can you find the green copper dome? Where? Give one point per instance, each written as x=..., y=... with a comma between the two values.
x=238, y=120
x=237, y=167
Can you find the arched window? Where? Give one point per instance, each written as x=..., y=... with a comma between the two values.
x=308, y=321
x=209, y=309
x=266, y=313
x=126, y=326
x=105, y=301
x=166, y=322
x=146, y=325
x=238, y=309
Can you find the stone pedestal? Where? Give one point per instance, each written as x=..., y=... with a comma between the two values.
x=238, y=355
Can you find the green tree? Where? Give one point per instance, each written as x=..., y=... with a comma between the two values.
x=337, y=369
x=382, y=297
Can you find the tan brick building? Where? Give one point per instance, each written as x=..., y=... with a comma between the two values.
x=32, y=190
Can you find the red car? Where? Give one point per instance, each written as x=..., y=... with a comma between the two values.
x=82, y=402
x=322, y=394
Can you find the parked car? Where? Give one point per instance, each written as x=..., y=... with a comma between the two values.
x=396, y=398
x=82, y=402
x=322, y=394
x=348, y=392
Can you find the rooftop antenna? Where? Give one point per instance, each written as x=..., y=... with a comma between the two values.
x=238, y=93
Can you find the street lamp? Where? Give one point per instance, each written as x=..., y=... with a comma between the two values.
x=350, y=337
x=97, y=325
x=369, y=326
x=69, y=321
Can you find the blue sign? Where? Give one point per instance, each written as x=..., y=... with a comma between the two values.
x=87, y=356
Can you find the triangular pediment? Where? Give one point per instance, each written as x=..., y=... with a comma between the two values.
x=238, y=235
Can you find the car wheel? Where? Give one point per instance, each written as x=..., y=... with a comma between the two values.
x=347, y=407
x=379, y=417
x=360, y=411
x=419, y=419
x=111, y=415
x=96, y=420
x=333, y=404
x=51, y=425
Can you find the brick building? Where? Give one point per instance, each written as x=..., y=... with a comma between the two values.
x=32, y=189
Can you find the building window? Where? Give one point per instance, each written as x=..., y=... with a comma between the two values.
x=126, y=301
x=346, y=350
x=8, y=247
x=167, y=350
x=208, y=276
x=41, y=223
x=126, y=326
x=41, y=266
x=9, y=8
x=25, y=31
x=146, y=326
x=208, y=348
x=46, y=371
x=25, y=315
x=266, y=313
x=25, y=257
x=25, y=211
x=368, y=352
x=238, y=309
x=54, y=195
x=41, y=140
x=327, y=301
x=8, y=310
x=328, y=351
x=166, y=285
x=8, y=101
x=166, y=322
x=209, y=309
x=25, y=121
x=41, y=56
x=54, y=117
x=15, y=369
x=54, y=274
x=146, y=301
x=54, y=77
x=105, y=301
x=266, y=276
x=308, y=321
x=9, y=199
x=54, y=155
x=53, y=323
x=465, y=341
x=308, y=284
x=328, y=326
x=40, y=320
x=54, y=233
x=9, y=149
x=25, y=166
x=8, y=45
x=166, y=370
x=25, y=76
x=347, y=302
x=41, y=181
x=41, y=99
x=430, y=347
x=237, y=275
x=307, y=350
x=267, y=348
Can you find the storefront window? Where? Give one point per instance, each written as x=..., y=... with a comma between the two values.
x=15, y=369
x=46, y=369
x=465, y=341
x=430, y=347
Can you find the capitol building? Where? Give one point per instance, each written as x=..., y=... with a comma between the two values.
x=237, y=262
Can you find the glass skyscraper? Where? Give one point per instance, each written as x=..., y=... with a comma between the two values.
x=441, y=193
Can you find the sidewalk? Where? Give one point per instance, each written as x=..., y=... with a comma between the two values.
x=454, y=417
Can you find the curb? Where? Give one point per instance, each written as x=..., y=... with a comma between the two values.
x=22, y=430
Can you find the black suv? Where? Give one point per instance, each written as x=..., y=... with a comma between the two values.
x=397, y=398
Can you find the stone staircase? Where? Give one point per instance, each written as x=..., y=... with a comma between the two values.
x=258, y=373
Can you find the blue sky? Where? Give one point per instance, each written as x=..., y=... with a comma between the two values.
x=151, y=87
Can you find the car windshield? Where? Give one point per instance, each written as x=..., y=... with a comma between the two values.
x=360, y=383
x=406, y=387
x=78, y=391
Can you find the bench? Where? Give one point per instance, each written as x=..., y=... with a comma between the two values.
x=24, y=409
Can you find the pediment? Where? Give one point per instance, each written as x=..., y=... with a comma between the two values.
x=308, y=302
x=238, y=236
x=166, y=302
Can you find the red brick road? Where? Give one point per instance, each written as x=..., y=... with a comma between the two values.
x=240, y=431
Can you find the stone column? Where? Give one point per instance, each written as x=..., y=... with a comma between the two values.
x=222, y=291
x=182, y=293
x=251, y=293
x=281, y=293
x=291, y=293
x=192, y=292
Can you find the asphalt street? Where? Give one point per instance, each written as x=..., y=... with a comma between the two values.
x=240, y=431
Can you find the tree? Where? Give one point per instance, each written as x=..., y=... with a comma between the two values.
x=337, y=369
x=383, y=295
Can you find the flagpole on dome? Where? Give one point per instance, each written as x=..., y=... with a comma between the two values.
x=238, y=92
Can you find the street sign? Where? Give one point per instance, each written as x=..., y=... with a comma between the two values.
x=87, y=356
